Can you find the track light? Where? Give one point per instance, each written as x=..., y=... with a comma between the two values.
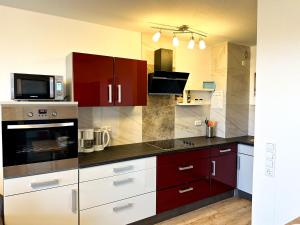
x=191, y=43
x=156, y=36
x=202, y=44
x=175, y=41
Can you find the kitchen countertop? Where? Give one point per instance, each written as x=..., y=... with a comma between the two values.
x=120, y=153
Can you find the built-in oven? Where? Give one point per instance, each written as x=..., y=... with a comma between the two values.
x=39, y=137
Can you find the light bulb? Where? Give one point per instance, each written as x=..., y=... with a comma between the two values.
x=191, y=43
x=202, y=44
x=175, y=41
x=156, y=36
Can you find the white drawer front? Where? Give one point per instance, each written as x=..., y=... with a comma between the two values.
x=246, y=149
x=121, y=212
x=39, y=182
x=106, y=190
x=114, y=169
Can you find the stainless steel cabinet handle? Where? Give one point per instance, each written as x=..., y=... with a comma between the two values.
x=186, y=190
x=44, y=183
x=123, y=169
x=119, y=93
x=120, y=208
x=213, y=168
x=125, y=181
x=35, y=126
x=74, y=200
x=109, y=93
x=225, y=150
x=185, y=168
x=239, y=162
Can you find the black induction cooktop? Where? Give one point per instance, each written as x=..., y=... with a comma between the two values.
x=172, y=144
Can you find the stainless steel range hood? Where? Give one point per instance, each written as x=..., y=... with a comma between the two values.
x=163, y=81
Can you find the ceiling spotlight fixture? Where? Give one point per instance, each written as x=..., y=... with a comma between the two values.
x=156, y=36
x=191, y=43
x=202, y=44
x=183, y=29
x=175, y=41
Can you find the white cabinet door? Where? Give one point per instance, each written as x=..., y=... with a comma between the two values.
x=245, y=173
x=56, y=206
x=121, y=212
x=106, y=190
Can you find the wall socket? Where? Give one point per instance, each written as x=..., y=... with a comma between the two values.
x=107, y=128
x=198, y=123
x=270, y=157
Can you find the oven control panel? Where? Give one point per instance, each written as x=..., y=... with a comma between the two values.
x=39, y=112
x=42, y=113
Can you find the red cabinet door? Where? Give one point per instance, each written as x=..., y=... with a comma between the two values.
x=130, y=82
x=224, y=173
x=181, y=195
x=179, y=168
x=93, y=80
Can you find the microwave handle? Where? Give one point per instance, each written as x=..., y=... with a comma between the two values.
x=36, y=126
x=51, y=86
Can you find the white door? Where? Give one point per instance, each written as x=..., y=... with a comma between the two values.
x=245, y=173
x=56, y=206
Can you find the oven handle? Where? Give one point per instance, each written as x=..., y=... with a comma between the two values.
x=36, y=126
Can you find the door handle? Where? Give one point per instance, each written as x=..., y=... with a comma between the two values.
x=213, y=168
x=225, y=150
x=119, y=93
x=74, y=200
x=185, y=168
x=186, y=190
x=239, y=162
x=37, y=126
x=42, y=184
x=109, y=93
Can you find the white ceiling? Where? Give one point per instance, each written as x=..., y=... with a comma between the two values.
x=232, y=20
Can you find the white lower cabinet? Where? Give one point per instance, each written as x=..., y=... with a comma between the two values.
x=54, y=206
x=245, y=169
x=111, y=189
x=121, y=212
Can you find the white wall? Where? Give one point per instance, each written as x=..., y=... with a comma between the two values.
x=38, y=43
x=277, y=200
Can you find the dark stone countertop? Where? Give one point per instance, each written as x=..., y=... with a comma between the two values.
x=120, y=153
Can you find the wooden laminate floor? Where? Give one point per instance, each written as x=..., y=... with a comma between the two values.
x=233, y=211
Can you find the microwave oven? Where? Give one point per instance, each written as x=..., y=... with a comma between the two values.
x=37, y=87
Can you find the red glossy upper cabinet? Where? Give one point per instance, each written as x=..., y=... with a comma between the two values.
x=130, y=82
x=93, y=79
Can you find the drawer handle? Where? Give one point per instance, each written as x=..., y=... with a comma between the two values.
x=44, y=183
x=123, y=169
x=225, y=150
x=185, y=168
x=123, y=207
x=186, y=190
x=120, y=182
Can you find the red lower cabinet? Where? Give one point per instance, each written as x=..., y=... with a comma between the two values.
x=224, y=170
x=181, y=195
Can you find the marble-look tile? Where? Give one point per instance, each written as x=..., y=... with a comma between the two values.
x=237, y=120
x=158, y=118
x=185, y=117
x=251, y=123
x=125, y=122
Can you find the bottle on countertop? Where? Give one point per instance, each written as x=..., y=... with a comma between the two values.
x=188, y=97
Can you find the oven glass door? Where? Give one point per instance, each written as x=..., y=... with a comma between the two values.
x=27, y=142
x=33, y=86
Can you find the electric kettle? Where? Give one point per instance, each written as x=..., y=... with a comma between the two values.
x=102, y=139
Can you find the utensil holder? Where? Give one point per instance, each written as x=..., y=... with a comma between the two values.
x=210, y=132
